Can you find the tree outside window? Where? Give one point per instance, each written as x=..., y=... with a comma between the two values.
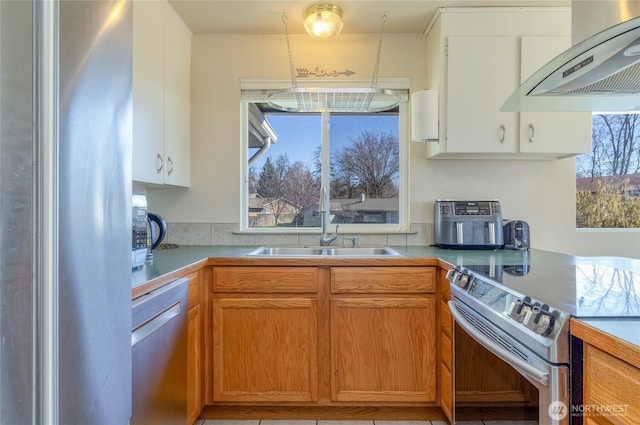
x=608, y=179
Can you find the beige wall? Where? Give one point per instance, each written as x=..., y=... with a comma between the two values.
x=540, y=192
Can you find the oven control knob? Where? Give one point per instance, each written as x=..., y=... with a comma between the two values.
x=519, y=309
x=539, y=320
x=452, y=274
x=463, y=279
x=516, y=311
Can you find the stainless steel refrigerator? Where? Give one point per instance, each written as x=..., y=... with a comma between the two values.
x=65, y=212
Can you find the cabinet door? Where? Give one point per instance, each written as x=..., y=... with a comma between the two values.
x=177, y=101
x=613, y=384
x=148, y=91
x=383, y=349
x=195, y=346
x=194, y=364
x=550, y=132
x=446, y=345
x=481, y=74
x=265, y=349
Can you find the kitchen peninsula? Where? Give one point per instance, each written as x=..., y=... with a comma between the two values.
x=241, y=288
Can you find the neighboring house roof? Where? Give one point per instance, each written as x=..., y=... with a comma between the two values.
x=591, y=184
x=256, y=203
x=262, y=203
x=372, y=204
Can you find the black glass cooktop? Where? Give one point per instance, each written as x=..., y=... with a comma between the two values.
x=582, y=290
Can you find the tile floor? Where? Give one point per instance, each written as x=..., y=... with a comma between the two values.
x=323, y=422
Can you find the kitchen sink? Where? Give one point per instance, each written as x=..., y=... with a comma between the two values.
x=323, y=252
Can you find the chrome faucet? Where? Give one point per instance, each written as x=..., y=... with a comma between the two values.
x=326, y=238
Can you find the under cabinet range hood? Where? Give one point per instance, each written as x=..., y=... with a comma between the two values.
x=600, y=73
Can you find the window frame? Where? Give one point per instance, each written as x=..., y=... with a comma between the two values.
x=256, y=90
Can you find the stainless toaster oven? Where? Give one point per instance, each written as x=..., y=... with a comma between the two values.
x=460, y=224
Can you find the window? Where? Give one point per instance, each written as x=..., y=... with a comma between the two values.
x=359, y=159
x=608, y=179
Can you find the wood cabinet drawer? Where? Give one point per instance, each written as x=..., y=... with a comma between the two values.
x=380, y=280
x=612, y=384
x=294, y=280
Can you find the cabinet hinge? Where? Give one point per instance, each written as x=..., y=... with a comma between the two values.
x=446, y=50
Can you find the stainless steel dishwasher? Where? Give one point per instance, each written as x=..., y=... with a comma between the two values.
x=159, y=349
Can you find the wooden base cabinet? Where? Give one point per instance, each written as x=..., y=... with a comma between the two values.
x=610, y=373
x=445, y=333
x=383, y=334
x=195, y=345
x=265, y=349
x=610, y=389
x=324, y=336
x=382, y=349
x=265, y=334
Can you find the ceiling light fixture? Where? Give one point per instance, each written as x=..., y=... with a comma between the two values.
x=323, y=20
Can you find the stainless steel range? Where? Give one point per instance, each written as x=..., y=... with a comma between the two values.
x=525, y=332
x=521, y=312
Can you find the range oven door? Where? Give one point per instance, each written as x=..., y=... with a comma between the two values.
x=498, y=378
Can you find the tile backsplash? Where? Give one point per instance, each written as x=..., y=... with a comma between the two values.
x=227, y=234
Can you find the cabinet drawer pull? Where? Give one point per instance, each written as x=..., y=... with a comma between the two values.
x=169, y=166
x=532, y=133
x=159, y=164
x=501, y=133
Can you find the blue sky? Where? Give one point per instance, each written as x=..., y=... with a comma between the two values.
x=299, y=135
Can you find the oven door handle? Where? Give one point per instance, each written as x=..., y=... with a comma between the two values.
x=507, y=356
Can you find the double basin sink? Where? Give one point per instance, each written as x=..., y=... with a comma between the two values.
x=325, y=251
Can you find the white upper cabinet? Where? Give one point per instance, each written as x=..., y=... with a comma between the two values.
x=481, y=75
x=563, y=133
x=478, y=57
x=161, y=95
x=177, y=103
